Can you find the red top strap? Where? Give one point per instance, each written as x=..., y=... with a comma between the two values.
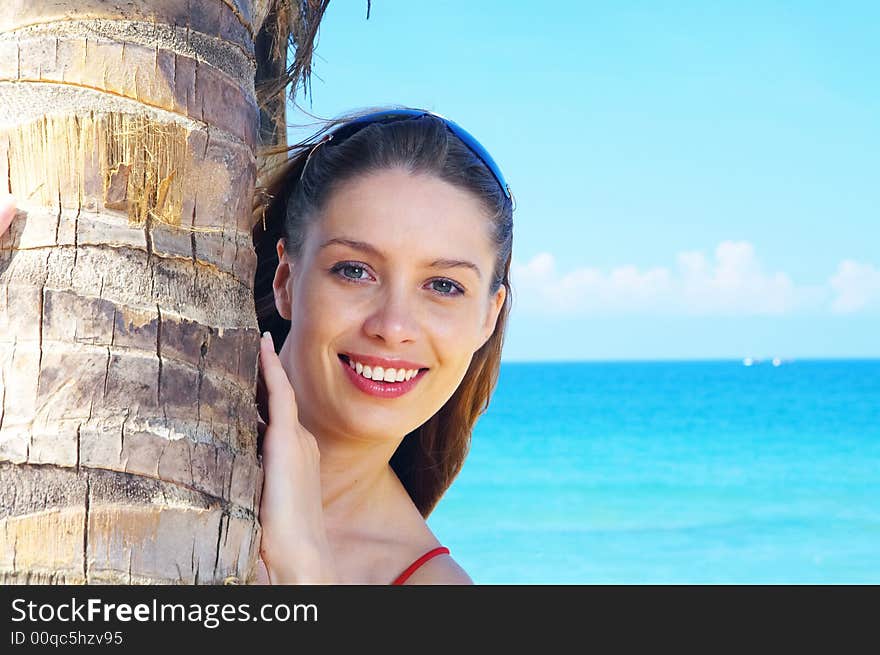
x=403, y=577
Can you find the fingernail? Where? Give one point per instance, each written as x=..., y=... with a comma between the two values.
x=267, y=335
x=6, y=199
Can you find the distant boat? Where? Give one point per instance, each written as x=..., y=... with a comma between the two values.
x=748, y=361
x=776, y=361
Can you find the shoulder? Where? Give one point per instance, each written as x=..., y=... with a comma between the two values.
x=440, y=570
x=414, y=539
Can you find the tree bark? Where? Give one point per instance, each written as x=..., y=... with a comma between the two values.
x=128, y=338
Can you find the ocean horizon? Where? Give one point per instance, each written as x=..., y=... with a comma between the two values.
x=672, y=472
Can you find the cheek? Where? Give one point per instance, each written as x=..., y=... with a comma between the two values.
x=316, y=318
x=458, y=327
x=324, y=309
x=325, y=306
x=455, y=335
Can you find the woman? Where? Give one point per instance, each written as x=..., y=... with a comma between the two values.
x=384, y=256
x=393, y=240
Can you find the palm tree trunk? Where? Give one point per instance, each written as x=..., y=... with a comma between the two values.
x=128, y=338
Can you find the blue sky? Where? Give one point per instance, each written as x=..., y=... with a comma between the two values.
x=693, y=179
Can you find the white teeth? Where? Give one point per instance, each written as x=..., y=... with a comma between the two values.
x=382, y=374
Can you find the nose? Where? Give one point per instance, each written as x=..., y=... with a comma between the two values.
x=393, y=319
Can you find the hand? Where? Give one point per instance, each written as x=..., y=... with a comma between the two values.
x=294, y=545
x=7, y=212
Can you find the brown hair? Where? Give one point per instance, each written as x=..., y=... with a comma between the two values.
x=431, y=456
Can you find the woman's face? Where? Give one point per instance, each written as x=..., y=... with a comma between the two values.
x=393, y=275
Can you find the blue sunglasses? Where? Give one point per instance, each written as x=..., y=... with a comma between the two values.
x=390, y=115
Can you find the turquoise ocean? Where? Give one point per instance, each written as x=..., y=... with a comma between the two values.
x=672, y=473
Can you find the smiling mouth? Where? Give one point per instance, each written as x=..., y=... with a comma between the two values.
x=379, y=384
x=379, y=373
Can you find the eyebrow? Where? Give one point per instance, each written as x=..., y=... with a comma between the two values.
x=366, y=247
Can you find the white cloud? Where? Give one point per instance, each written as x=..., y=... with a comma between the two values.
x=730, y=282
x=856, y=286
x=538, y=284
x=733, y=283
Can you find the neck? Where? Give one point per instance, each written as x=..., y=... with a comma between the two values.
x=356, y=479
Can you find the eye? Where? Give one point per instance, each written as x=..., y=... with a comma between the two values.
x=353, y=271
x=446, y=287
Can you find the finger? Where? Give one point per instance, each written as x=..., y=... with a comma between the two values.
x=262, y=399
x=261, y=436
x=282, y=402
x=7, y=211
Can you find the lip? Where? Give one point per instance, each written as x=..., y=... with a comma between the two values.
x=372, y=362
x=381, y=389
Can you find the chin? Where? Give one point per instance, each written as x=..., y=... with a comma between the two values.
x=380, y=423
